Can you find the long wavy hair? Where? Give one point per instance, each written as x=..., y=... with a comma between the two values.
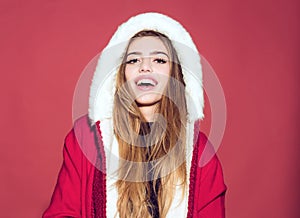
x=158, y=158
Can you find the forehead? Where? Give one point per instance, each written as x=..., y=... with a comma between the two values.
x=147, y=44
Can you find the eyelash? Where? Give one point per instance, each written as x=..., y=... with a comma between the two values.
x=160, y=60
x=132, y=61
x=157, y=60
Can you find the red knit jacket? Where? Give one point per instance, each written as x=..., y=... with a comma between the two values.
x=74, y=196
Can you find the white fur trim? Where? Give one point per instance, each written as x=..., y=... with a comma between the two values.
x=103, y=84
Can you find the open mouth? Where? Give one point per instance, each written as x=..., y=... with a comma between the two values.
x=145, y=82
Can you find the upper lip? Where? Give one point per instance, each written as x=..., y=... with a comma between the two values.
x=137, y=79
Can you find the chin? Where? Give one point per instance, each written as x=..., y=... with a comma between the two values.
x=148, y=100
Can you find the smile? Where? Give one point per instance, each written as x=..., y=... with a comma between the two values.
x=145, y=82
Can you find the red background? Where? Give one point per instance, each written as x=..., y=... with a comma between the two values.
x=253, y=46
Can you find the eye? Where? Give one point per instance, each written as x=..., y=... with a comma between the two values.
x=160, y=60
x=132, y=61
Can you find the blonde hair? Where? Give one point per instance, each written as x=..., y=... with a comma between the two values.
x=165, y=171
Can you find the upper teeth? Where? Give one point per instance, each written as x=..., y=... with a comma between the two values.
x=146, y=81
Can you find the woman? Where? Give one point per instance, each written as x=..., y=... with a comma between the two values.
x=137, y=154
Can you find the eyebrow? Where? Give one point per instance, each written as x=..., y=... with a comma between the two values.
x=151, y=53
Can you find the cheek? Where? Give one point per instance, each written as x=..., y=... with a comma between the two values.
x=163, y=69
x=129, y=72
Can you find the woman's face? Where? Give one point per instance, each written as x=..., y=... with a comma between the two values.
x=147, y=69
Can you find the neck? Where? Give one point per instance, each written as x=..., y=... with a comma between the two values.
x=148, y=112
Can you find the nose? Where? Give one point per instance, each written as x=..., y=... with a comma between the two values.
x=145, y=65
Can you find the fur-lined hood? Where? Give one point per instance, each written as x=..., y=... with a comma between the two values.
x=103, y=84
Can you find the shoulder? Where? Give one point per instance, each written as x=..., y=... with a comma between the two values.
x=79, y=129
x=206, y=151
x=88, y=138
x=81, y=139
x=208, y=164
x=210, y=183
